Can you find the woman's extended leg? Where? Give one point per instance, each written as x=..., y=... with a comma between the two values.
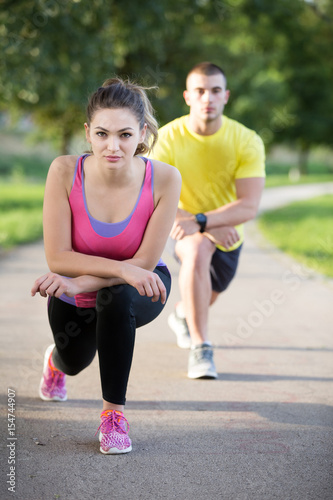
x=74, y=349
x=74, y=332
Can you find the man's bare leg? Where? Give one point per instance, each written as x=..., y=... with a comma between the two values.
x=214, y=297
x=195, y=253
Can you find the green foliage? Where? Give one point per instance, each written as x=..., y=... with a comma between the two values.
x=20, y=226
x=21, y=207
x=298, y=36
x=280, y=174
x=20, y=167
x=20, y=196
x=304, y=230
x=277, y=56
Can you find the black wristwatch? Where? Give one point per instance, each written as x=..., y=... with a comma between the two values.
x=201, y=219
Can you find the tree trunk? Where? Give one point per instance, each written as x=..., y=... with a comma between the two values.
x=65, y=142
x=303, y=159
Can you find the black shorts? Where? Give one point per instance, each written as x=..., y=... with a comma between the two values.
x=223, y=265
x=223, y=268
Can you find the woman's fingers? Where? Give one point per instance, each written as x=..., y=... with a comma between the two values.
x=49, y=284
x=159, y=291
x=37, y=285
x=152, y=286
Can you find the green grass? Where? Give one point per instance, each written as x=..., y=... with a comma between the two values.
x=21, y=207
x=22, y=178
x=19, y=167
x=278, y=174
x=303, y=230
x=283, y=180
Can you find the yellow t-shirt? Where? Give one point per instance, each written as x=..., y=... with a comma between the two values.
x=209, y=164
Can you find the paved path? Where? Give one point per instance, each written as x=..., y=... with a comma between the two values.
x=277, y=197
x=262, y=431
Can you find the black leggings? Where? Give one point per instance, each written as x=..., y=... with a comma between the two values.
x=109, y=327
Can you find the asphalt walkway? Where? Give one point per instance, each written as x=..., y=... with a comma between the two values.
x=262, y=431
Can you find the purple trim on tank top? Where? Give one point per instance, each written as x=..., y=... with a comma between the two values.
x=77, y=166
x=110, y=229
x=106, y=229
x=68, y=300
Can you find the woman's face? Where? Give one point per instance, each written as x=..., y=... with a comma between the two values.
x=114, y=135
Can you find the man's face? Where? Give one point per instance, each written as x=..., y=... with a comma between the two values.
x=206, y=96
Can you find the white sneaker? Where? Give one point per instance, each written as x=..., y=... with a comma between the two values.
x=179, y=326
x=200, y=362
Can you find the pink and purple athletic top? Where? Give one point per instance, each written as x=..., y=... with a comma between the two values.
x=117, y=241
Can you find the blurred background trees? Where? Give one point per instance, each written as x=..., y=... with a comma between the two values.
x=277, y=56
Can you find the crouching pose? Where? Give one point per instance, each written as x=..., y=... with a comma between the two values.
x=107, y=216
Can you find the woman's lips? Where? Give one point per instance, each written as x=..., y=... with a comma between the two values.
x=113, y=158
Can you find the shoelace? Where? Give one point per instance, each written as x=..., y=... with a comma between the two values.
x=203, y=353
x=112, y=422
x=57, y=375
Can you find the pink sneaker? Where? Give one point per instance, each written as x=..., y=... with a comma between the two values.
x=52, y=385
x=113, y=434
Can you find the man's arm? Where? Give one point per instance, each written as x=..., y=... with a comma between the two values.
x=221, y=221
x=245, y=208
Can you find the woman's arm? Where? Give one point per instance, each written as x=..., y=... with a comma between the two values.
x=98, y=272
x=57, y=225
x=167, y=186
x=57, y=220
x=55, y=285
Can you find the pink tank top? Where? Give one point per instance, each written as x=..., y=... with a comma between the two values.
x=117, y=241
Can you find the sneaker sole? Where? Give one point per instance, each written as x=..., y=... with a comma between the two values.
x=184, y=342
x=203, y=375
x=41, y=395
x=113, y=451
x=44, y=398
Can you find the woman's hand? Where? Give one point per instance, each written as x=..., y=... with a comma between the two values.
x=146, y=282
x=54, y=285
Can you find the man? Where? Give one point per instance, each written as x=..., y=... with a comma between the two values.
x=223, y=172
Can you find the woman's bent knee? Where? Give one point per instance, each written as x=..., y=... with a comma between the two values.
x=115, y=299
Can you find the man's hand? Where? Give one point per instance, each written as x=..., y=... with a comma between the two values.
x=184, y=227
x=225, y=236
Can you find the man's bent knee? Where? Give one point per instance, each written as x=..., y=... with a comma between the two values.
x=195, y=247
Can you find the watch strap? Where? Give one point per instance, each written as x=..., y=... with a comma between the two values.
x=201, y=219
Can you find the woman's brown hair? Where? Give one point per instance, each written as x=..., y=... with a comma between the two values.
x=118, y=93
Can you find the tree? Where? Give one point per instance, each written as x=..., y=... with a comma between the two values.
x=303, y=33
x=276, y=55
x=56, y=52
x=48, y=66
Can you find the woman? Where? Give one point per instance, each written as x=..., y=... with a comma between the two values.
x=107, y=216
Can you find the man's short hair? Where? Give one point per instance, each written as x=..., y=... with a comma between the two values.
x=208, y=69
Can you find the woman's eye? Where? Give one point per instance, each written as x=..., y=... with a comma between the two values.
x=126, y=134
x=100, y=134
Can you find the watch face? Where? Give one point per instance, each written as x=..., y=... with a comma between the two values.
x=202, y=221
x=201, y=218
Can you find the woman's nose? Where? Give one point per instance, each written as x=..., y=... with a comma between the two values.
x=113, y=144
